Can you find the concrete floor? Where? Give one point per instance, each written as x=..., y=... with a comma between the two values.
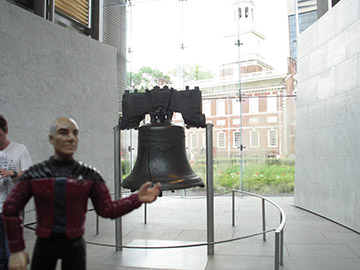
x=310, y=242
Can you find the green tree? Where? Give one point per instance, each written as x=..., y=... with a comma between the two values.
x=146, y=78
x=191, y=73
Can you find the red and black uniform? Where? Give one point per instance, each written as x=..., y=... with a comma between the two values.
x=61, y=189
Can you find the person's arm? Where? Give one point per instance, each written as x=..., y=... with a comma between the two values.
x=25, y=163
x=9, y=173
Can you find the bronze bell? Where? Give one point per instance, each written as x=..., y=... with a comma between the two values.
x=162, y=158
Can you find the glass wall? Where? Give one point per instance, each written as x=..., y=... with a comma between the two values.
x=247, y=94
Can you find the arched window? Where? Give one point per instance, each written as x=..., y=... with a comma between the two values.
x=252, y=14
x=246, y=12
x=239, y=12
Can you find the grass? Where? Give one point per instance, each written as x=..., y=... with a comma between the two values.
x=269, y=177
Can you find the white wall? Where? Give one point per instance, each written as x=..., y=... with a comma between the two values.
x=327, y=175
x=48, y=71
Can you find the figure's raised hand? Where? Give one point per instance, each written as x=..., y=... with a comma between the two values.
x=18, y=260
x=147, y=194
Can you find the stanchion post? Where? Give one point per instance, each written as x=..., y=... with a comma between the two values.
x=281, y=243
x=210, y=187
x=263, y=219
x=233, y=207
x=97, y=224
x=117, y=185
x=277, y=236
x=145, y=213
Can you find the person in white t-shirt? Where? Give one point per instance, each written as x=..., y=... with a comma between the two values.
x=14, y=160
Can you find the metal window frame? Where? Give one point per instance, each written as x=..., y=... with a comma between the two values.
x=46, y=9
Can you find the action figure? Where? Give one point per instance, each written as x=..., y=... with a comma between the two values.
x=61, y=187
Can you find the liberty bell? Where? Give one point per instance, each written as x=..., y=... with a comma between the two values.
x=161, y=145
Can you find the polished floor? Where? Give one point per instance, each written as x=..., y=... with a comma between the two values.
x=310, y=242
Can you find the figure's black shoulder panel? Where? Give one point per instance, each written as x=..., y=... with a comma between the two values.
x=40, y=170
x=84, y=171
x=73, y=169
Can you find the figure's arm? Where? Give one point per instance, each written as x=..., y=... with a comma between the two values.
x=105, y=207
x=13, y=222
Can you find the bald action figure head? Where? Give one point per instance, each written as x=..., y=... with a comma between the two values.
x=64, y=137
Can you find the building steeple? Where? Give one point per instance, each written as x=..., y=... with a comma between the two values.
x=244, y=30
x=244, y=10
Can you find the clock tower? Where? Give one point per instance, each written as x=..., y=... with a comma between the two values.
x=245, y=38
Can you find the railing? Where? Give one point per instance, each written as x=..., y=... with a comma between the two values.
x=279, y=231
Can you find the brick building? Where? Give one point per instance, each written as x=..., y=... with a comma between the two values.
x=266, y=124
x=264, y=121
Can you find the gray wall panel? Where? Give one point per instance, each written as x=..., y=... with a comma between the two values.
x=48, y=71
x=328, y=116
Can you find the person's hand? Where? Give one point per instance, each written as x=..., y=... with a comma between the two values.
x=18, y=260
x=5, y=173
x=148, y=195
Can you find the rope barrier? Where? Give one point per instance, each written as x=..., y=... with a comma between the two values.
x=193, y=197
x=184, y=246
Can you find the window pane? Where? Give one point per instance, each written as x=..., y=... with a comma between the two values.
x=236, y=107
x=253, y=105
x=254, y=138
x=221, y=139
x=194, y=140
x=207, y=108
x=220, y=107
x=237, y=139
x=271, y=104
x=272, y=134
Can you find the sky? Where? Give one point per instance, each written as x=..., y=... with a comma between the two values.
x=158, y=28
